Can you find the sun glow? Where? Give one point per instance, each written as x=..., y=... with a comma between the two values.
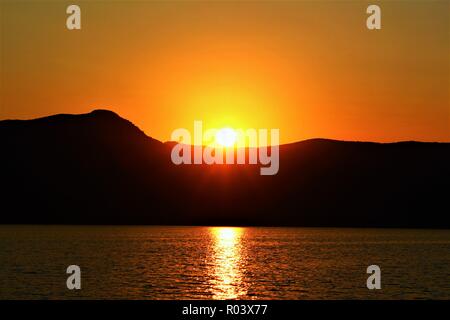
x=226, y=137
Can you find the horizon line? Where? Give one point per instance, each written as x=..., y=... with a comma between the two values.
x=110, y=112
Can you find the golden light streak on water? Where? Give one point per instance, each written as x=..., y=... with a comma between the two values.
x=228, y=263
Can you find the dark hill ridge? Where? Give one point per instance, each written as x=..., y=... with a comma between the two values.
x=98, y=168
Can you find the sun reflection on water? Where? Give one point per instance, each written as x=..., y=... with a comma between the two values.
x=227, y=271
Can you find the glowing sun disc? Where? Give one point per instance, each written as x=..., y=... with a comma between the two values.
x=226, y=137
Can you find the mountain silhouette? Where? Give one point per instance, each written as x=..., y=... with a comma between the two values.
x=99, y=168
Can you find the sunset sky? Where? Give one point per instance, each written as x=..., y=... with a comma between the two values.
x=311, y=69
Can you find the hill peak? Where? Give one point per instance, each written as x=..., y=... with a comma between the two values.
x=104, y=112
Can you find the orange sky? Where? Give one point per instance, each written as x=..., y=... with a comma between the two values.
x=311, y=69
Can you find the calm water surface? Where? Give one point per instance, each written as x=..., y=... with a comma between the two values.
x=222, y=263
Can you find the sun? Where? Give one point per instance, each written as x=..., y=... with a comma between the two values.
x=226, y=137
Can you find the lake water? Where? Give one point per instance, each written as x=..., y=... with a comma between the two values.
x=153, y=262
